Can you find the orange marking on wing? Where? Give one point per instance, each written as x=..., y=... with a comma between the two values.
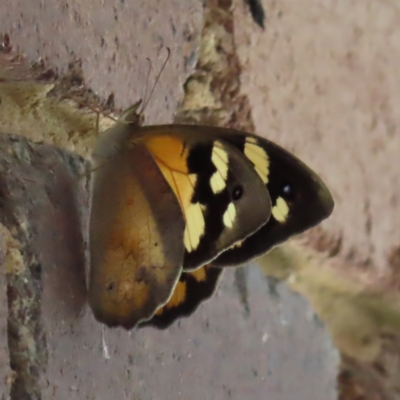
x=170, y=154
x=170, y=150
x=177, y=298
x=200, y=273
x=180, y=291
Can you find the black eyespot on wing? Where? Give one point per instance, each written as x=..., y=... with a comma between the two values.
x=237, y=193
x=288, y=191
x=110, y=286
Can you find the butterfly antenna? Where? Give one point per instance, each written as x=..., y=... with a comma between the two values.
x=157, y=78
x=146, y=86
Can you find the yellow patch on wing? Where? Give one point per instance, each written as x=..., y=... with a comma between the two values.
x=280, y=210
x=220, y=160
x=170, y=154
x=217, y=183
x=229, y=215
x=258, y=156
x=195, y=226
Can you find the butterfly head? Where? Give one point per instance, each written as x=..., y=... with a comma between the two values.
x=119, y=137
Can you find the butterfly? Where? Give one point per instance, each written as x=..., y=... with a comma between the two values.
x=172, y=204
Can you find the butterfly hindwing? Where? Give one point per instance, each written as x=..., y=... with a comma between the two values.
x=136, y=238
x=192, y=289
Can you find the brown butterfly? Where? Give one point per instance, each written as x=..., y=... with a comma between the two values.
x=169, y=199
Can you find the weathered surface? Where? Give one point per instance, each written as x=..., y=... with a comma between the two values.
x=5, y=370
x=220, y=352
x=113, y=39
x=322, y=80
x=42, y=232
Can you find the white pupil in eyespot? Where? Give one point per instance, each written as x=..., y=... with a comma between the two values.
x=287, y=190
x=237, y=193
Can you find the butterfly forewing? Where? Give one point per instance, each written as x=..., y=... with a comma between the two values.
x=221, y=196
x=299, y=197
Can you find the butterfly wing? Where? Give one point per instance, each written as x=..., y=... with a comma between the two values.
x=136, y=238
x=221, y=196
x=300, y=199
x=192, y=289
